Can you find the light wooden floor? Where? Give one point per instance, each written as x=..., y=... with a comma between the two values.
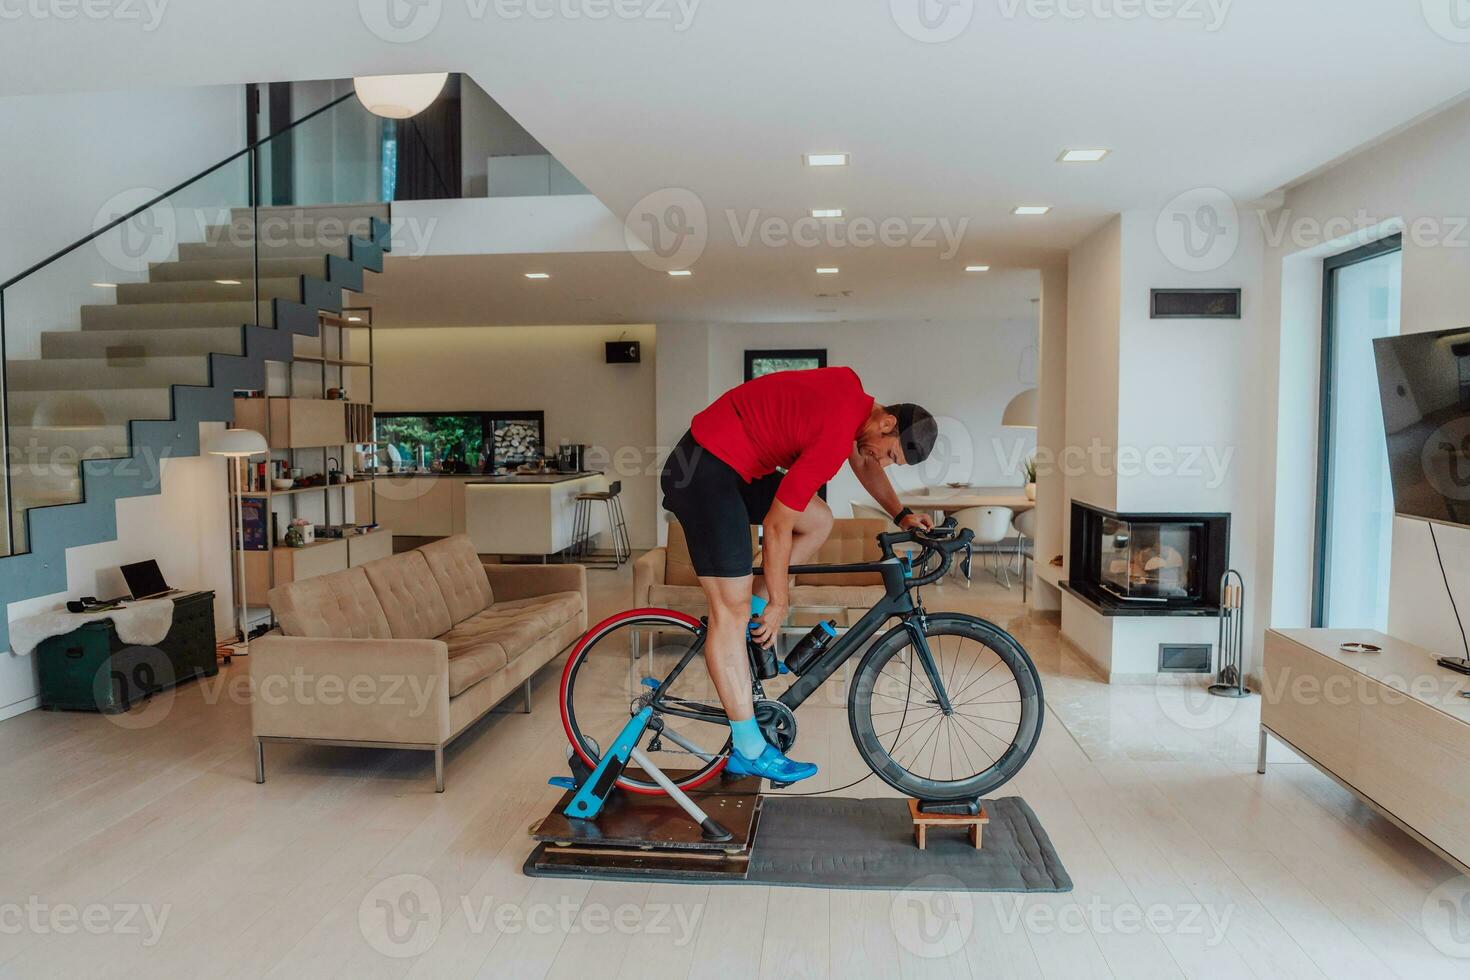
x=1150, y=796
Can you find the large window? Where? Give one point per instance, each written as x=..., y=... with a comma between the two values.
x=460, y=442
x=1360, y=302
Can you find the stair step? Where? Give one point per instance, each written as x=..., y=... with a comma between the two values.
x=128, y=344
x=166, y=316
x=70, y=374
x=220, y=242
x=206, y=291
x=237, y=268
x=88, y=408
x=359, y=214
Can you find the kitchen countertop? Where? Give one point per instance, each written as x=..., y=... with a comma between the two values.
x=529, y=479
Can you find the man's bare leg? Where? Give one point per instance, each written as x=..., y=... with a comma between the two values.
x=812, y=528
x=724, y=646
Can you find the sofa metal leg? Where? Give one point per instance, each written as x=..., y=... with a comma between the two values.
x=1261, y=755
x=526, y=696
x=439, y=769
x=259, y=761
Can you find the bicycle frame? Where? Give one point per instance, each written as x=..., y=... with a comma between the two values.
x=897, y=601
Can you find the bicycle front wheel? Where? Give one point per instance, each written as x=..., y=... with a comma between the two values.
x=982, y=742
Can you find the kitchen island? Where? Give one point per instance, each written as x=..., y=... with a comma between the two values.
x=528, y=514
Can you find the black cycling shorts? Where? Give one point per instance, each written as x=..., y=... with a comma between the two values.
x=716, y=508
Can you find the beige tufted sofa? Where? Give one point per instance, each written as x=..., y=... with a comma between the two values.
x=665, y=578
x=408, y=651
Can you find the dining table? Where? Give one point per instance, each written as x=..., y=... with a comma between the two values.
x=938, y=501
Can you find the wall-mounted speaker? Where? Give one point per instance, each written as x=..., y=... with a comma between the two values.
x=1194, y=304
x=624, y=352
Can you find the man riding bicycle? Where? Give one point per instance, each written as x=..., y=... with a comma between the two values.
x=725, y=475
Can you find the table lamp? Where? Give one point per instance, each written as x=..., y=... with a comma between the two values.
x=238, y=444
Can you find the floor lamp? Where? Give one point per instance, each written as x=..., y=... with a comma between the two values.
x=238, y=445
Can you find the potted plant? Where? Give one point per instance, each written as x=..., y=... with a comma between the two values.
x=1031, y=477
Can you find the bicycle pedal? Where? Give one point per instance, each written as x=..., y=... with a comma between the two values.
x=562, y=782
x=776, y=785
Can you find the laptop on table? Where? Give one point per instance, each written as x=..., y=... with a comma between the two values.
x=145, y=580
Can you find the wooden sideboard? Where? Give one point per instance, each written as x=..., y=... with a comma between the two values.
x=1390, y=726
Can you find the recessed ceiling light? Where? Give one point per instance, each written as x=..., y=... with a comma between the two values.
x=977, y=268
x=826, y=212
x=538, y=275
x=680, y=272
x=1032, y=209
x=1082, y=156
x=827, y=270
x=228, y=282
x=105, y=285
x=826, y=159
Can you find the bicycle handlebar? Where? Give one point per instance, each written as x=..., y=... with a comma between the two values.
x=943, y=540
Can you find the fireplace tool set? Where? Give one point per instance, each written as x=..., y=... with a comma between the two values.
x=1231, y=681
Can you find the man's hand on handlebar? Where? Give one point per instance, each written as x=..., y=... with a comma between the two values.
x=916, y=522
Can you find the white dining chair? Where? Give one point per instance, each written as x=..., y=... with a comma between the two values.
x=991, y=527
x=1025, y=525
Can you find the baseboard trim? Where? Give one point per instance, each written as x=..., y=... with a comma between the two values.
x=20, y=707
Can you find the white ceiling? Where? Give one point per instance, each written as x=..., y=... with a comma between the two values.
x=959, y=131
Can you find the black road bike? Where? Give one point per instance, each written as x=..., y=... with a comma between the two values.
x=942, y=706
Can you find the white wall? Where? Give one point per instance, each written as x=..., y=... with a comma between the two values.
x=559, y=370
x=1094, y=272
x=964, y=373
x=1414, y=182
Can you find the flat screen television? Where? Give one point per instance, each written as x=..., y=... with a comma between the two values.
x=1424, y=386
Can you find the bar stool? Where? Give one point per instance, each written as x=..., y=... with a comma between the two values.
x=617, y=525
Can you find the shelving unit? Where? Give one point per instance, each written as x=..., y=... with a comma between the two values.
x=305, y=422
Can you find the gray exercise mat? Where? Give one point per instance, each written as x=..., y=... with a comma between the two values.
x=830, y=842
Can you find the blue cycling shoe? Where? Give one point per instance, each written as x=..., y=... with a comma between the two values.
x=771, y=764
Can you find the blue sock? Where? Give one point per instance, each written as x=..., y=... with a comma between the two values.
x=747, y=737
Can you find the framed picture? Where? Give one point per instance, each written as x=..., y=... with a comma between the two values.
x=762, y=362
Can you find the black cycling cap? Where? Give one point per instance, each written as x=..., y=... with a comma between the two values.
x=917, y=431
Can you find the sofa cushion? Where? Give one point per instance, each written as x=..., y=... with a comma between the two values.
x=513, y=633
x=409, y=596
x=853, y=540
x=553, y=610
x=472, y=663
x=460, y=576
x=341, y=605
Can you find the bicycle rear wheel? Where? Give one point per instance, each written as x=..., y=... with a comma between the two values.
x=607, y=680
x=918, y=749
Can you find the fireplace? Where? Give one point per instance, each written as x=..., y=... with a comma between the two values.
x=1147, y=564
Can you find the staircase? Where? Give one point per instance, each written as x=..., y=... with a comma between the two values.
x=92, y=418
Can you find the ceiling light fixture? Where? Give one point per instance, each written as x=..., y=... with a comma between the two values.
x=1082, y=156
x=1032, y=209
x=228, y=282
x=977, y=268
x=680, y=272
x=825, y=159
x=538, y=275
x=827, y=270
x=105, y=285
x=399, y=96
x=826, y=212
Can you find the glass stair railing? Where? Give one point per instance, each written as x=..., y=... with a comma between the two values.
x=165, y=297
